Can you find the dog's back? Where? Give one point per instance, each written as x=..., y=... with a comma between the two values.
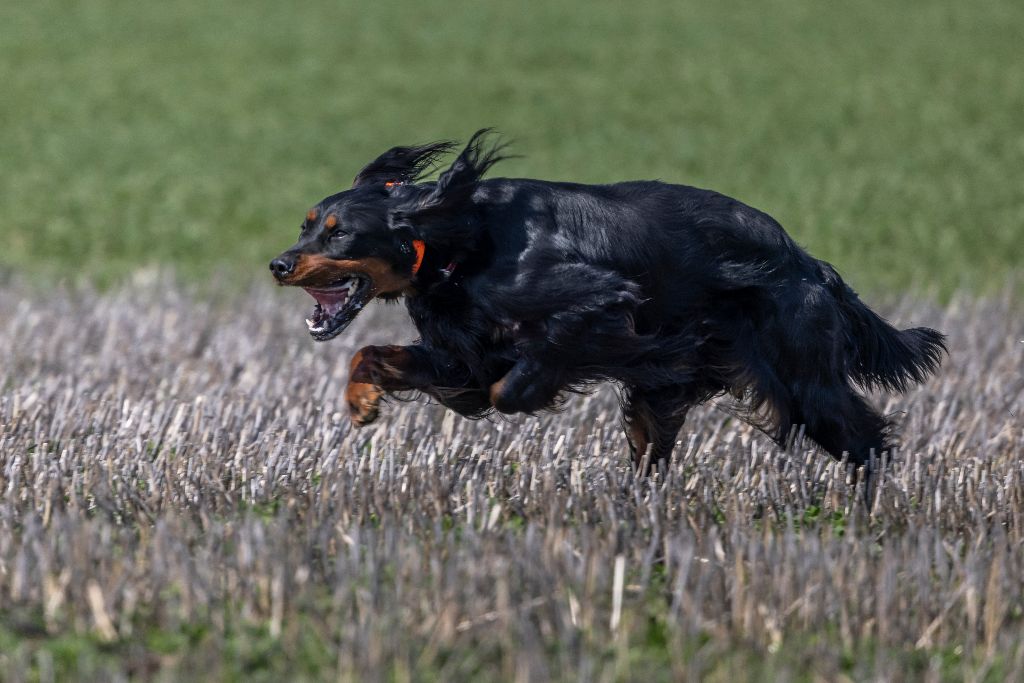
x=759, y=316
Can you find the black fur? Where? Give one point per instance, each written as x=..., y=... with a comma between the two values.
x=676, y=293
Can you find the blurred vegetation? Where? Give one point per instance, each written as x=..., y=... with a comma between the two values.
x=887, y=138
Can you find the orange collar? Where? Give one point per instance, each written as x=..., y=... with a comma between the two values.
x=421, y=248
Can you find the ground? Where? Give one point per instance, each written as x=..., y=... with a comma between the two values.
x=181, y=494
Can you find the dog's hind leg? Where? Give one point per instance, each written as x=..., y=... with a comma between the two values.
x=652, y=419
x=807, y=349
x=839, y=420
x=528, y=387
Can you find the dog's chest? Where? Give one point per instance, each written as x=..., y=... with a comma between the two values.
x=455, y=325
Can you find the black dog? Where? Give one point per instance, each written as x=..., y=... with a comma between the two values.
x=524, y=290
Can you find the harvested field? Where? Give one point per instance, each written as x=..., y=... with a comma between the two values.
x=182, y=496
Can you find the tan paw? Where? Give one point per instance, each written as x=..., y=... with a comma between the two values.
x=363, y=403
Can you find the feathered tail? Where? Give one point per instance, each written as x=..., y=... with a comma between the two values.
x=883, y=356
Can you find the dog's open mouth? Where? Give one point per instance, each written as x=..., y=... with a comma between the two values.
x=337, y=306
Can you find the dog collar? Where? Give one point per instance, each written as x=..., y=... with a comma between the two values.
x=420, y=247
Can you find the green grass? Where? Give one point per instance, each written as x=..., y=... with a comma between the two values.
x=250, y=653
x=888, y=138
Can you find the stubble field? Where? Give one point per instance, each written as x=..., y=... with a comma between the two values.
x=182, y=496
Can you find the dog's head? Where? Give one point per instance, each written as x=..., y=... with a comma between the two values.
x=369, y=241
x=347, y=252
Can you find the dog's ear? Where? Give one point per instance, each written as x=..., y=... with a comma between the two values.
x=438, y=214
x=457, y=183
x=401, y=164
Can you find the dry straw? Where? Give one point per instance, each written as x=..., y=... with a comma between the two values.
x=174, y=466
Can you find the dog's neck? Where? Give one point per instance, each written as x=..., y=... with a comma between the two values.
x=433, y=265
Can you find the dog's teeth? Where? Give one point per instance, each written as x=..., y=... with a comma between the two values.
x=310, y=324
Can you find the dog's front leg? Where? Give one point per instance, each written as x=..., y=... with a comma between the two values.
x=375, y=370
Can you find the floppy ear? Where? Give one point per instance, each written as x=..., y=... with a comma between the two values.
x=457, y=183
x=401, y=164
x=437, y=213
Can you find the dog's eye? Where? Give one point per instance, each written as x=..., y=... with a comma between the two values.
x=337, y=234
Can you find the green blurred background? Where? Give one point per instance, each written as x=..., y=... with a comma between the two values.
x=887, y=137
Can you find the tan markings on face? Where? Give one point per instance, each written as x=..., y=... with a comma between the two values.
x=311, y=215
x=331, y=222
x=315, y=270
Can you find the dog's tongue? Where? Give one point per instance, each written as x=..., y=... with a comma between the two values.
x=330, y=301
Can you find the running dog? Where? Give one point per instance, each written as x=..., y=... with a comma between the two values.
x=526, y=290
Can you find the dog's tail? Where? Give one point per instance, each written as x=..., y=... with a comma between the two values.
x=884, y=357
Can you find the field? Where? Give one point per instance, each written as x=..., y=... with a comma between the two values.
x=887, y=137
x=181, y=497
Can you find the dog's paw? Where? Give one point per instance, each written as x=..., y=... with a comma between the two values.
x=363, y=403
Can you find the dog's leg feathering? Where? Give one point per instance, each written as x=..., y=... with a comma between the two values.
x=652, y=418
x=376, y=370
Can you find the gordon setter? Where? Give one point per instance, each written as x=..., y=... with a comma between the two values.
x=523, y=290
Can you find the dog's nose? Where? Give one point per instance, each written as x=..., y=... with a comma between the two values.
x=282, y=266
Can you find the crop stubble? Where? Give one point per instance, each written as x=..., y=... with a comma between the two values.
x=170, y=465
